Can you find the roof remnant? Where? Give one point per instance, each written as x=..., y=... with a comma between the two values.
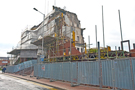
x=35, y=26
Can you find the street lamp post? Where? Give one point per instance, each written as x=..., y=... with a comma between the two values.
x=43, y=28
x=42, y=38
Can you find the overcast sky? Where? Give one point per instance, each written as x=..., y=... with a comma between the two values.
x=17, y=15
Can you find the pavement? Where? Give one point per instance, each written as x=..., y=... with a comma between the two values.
x=58, y=85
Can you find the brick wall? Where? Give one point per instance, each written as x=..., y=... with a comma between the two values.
x=132, y=52
x=67, y=48
x=4, y=64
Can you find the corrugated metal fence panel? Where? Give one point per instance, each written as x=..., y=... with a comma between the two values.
x=107, y=73
x=122, y=74
x=51, y=65
x=12, y=69
x=9, y=69
x=60, y=71
x=133, y=68
x=74, y=71
x=15, y=68
x=47, y=70
x=34, y=62
x=66, y=71
x=28, y=64
x=42, y=70
x=53, y=70
x=45, y=74
x=35, y=70
x=84, y=72
x=31, y=64
x=88, y=73
x=25, y=66
x=57, y=71
x=21, y=66
x=94, y=73
x=39, y=70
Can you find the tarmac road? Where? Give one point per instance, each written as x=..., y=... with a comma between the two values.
x=13, y=83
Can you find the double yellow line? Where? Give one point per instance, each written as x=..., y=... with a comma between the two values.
x=44, y=86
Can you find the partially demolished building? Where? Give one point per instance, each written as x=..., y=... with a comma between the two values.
x=62, y=36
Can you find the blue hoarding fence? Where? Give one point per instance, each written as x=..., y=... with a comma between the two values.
x=118, y=73
x=21, y=66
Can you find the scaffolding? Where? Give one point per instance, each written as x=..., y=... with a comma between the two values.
x=63, y=40
x=59, y=38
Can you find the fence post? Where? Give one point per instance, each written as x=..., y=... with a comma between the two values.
x=31, y=69
x=44, y=70
x=23, y=68
x=132, y=73
x=38, y=58
x=113, y=75
x=77, y=75
x=51, y=71
x=100, y=84
x=71, y=73
x=62, y=72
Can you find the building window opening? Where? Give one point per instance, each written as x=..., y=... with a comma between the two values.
x=81, y=50
x=78, y=38
x=78, y=49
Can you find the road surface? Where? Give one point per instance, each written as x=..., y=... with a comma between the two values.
x=13, y=83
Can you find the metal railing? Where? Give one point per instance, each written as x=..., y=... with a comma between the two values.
x=21, y=67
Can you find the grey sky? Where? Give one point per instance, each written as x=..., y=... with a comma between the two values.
x=16, y=15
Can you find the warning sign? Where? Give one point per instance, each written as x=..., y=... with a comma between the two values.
x=43, y=68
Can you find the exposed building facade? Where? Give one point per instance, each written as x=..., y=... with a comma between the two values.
x=60, y=31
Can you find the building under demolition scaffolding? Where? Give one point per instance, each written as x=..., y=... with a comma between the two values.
x=63, y=38
x=59, y=37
